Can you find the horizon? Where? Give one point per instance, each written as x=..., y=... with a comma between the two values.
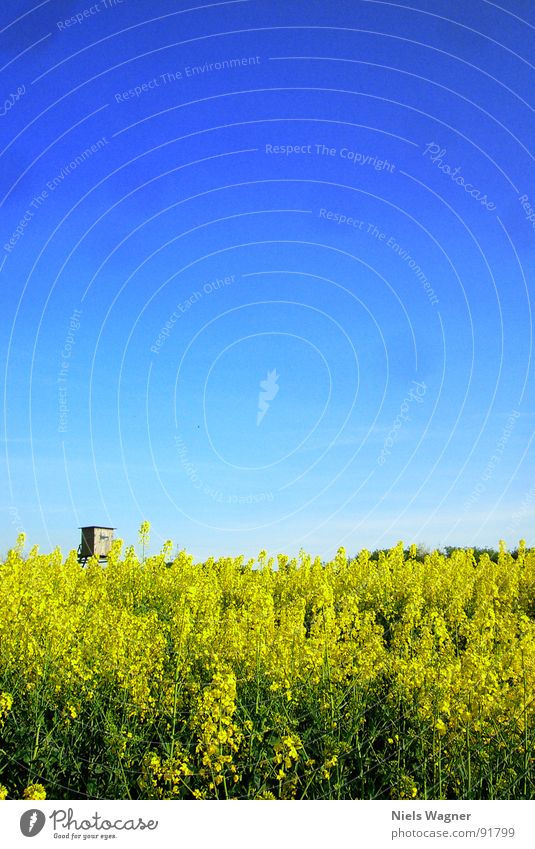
x=173, y=551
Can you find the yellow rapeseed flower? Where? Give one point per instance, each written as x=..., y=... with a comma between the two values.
x=34, y=791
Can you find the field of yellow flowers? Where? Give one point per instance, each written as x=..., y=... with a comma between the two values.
x=356, y=679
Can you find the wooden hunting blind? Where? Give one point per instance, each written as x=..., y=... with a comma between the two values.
x=96, y=541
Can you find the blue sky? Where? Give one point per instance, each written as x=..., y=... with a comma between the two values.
x=266, y=273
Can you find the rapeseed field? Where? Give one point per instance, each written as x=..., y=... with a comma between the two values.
x=362, y=678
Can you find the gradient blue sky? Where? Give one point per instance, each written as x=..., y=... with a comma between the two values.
x=160, y=256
